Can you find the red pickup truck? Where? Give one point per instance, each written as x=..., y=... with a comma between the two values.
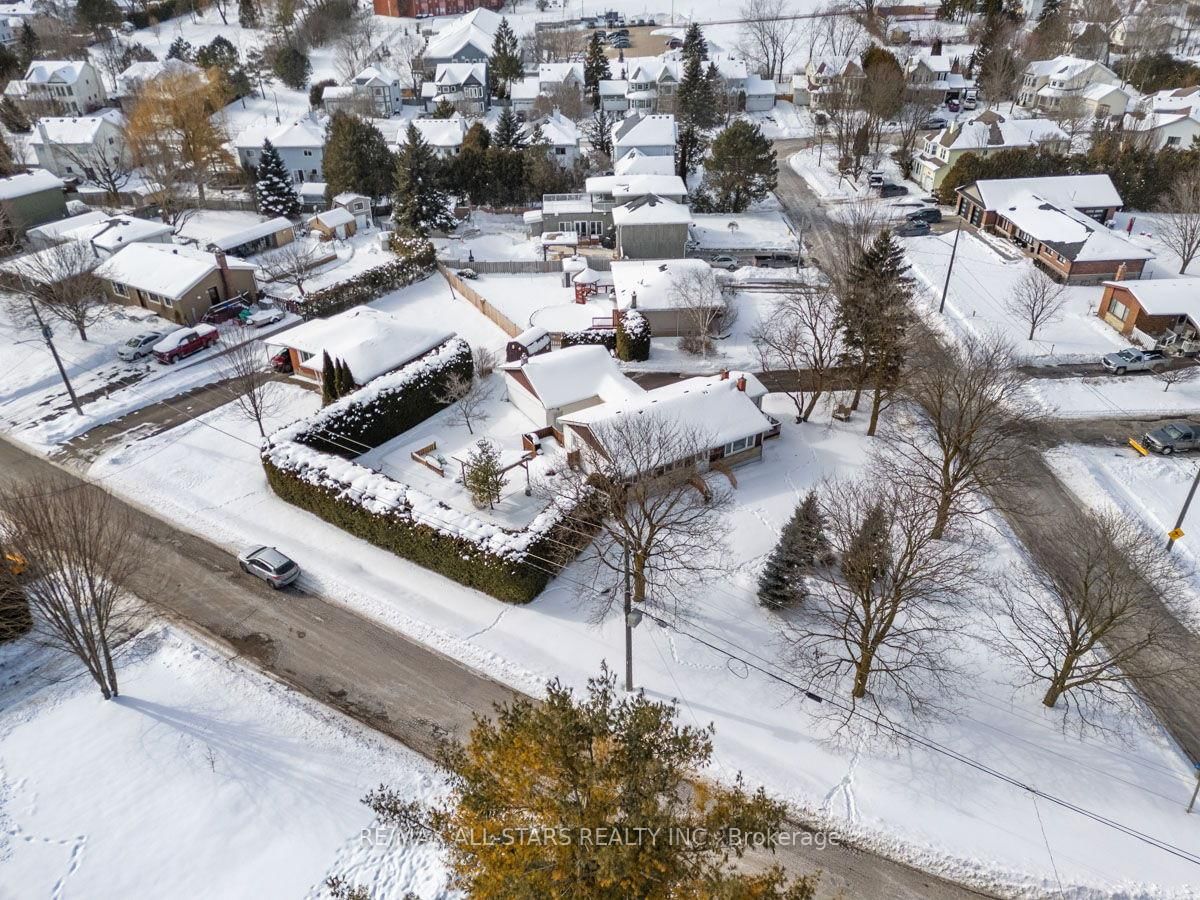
x=185, y=342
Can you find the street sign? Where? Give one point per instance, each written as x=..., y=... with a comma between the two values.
x=1175, y=534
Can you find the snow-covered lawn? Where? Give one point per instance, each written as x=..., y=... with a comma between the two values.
x=1115, y=395
x=914, y=804
x=433, y=301
x=980, y=287
x=1147, y=228
x=817, y=165
x=500, y=237
x=204, y=779
x=204, y=226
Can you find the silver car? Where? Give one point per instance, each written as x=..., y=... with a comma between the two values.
x=139, y=345
x=270, y=565
x=1174, y=437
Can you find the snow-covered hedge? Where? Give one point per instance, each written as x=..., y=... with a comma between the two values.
x=633, y=337
x=415, y=259
x=606, y=337
x=310, y=464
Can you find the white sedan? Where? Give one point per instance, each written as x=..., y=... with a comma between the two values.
x=265, y=317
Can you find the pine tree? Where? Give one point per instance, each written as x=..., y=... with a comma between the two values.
x=801, y=547
x=29, y=42
x=7, y=165
x=598, y=131
x=443, y=109
x=344, y=378
x=419, y=204
x=248, y=13
x=484, y=477
x=292, y=66
x=328, y=380
x=273, y=189
x=595, y=68
x=694, y=45
x=741, y=168
x=180, y=49
x=811, y=541
x=504, y=66
x=694, y=100
x=509, y=133
x=357, y=158
x=867, y=558
x=13, y=117
x=689, y=149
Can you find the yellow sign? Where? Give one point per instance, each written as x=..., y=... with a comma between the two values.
x=1138, y=447
x=1175, y=534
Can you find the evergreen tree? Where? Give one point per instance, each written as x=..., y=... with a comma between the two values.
x=867, y=558
x=504, y=66
x=484, y=477
x=344, y=378
x=595, y=68
x=29, y=43
x=292, y=66
x=507, y=169
x=740, y=169
x=357, y=158
x=273, y=188
x=802, y=546
x=689, y=149
x=443, y=109
x=469, y=172
x=720, y=97
x=694, y=100
x=180, y=49
x=248, y=13
x=220, y=53
x=419, y=204
x=812, y=543
x=13, y=117
x=96, y=15
x=598, y=131
x=509, y=133
x=694, y=45
x=328, y=380
x=7, y=165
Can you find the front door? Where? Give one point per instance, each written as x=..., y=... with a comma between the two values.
x=214, y=296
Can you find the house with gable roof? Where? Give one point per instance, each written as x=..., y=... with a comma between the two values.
x=989, y=132
x=1048, y=83
x=58, y=87
x=301, y=145
x=465, y=85
x=651, y=135
x=76, y=146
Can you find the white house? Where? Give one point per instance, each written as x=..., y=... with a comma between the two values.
x=652, y=135
x=58, y=86
x=301, y=145
x=379, y=86
x=1047, y=82
x=76, y=147
x=1169, y=118
x=563, y=137
x=445, y=136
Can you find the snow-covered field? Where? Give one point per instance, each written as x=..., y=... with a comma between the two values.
x=1116, y=396
x=915, y=804
x=203, y=779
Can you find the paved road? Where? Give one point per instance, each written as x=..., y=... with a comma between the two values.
x=383, y=679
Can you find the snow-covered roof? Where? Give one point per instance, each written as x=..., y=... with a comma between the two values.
x=1174, y=100
x=337, y=92
x=307, y=133
x=653, y=280
x=168, y=270
x=114, y=232
x=1064, y=67
x=26, y=183
x=651, y=209
x=635, y=162
x=991, y=129
x=376, y=72
x=139, y=73
x=625, y=187
x=332, y=218
x=460, y=73
x=58, y=71
x=759, y=87
x=478, y=31
x=525, y=89
x=369, y=341
x=751, y=231
x=74, y=130
x=311, y=189
x=1076, y=191
x=1165, y=296
x=573, y=375
x=52, y=230
x=252, y=233
x=438, y=132
x=715, y=408
x=559, y=131
x=348, y=197
x=1068, y=232
x=1098, y=90
x=657, y=130
x=613, y=88
x=559, y=72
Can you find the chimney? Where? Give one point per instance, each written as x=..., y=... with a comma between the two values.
x=1120, y=276
x=223, y=270
x=741, y=383
x=724, y=374
x=633, y=300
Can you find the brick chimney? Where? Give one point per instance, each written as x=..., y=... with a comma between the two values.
x=223, y=271
x=1121, y=270
x=741, y=383
x=724, y=374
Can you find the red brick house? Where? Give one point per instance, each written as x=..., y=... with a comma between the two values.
x=410, y=8
x=1154, y=307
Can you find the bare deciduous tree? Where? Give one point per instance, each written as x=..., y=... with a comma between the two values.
x=974, y=423
x=467, y=396
x=801, y=335
x=248, y=376
x=914, y=112
x=291, y=263
x=353, y=49
x=879, y=626
x=704, y=308
x=405, y=52
x=1176, y=374
x=83, y=548
x=1037, y=299
x=61, y=280
x=642, y=478
x=1082, y=622
x=1180, y=229
x=485, y=360
x=768, y=36
x=110, y=167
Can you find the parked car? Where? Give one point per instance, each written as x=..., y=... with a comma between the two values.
x=970, y=103
x=1174, y=437
x=724, y=262
x=261, y=317
x=281, y=362
x=470, y=274
x=270, y=565
x=139, y=345
x=913, y=228
x=953, y=105
x=935, y=123
x=1134, y=360
x=620, y=42
x=892, y=190
x=185, y=342
x=931, y=216
x=781, y=260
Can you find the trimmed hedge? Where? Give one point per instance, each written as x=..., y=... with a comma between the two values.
x=633, y=337
x=605, y=337
x=416, y=260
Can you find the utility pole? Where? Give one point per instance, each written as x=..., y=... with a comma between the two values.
x=1192, y=802
x=629, y=622
x=950, y=268
x=48, y=337
x=1178, y=530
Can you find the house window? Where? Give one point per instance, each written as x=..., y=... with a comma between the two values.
x=1173, y=141
x=560, y=151
x=166, y=301
x=738, y=446
x=120, y=290
x=308, y=153
x=1118, y=310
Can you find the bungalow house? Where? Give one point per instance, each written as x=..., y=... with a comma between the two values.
x=50, y=233
x=1069, y=245
x=650, y=287
x=58, y=87
x=651, y=227
x=547, y=386
x=178, y=283
x=79, y=146
x=823, y=76
x=989, y=132
x=32, y=198
x=1159, y=307
x=111, y=234
x=1048, y=83
x=445, y=136
x=336, y=223
x=258, y=238
x=720, y=410
x=465, y=85
x=301, y=146
x=1168, y=118
x=983, y=202
x=370, y=342
x=652, y=135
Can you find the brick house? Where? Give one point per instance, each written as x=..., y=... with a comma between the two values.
x=1158, y=307
x=178, y=283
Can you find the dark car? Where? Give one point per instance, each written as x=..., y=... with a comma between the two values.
x=281, y=362
x=620, y=42
x=913, y=228
x=892, y=190
x=931, y=216
x=1174, y=437
x=952, y=105
x=270, y=565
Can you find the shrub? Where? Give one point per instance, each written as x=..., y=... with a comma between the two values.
x=416, y=261
x=605, y=337
x=633, y=337
x=154, y=12
x=316, y=93
x=15, y=617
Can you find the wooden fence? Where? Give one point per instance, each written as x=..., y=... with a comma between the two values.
x=522, y=266
x=480, y=303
